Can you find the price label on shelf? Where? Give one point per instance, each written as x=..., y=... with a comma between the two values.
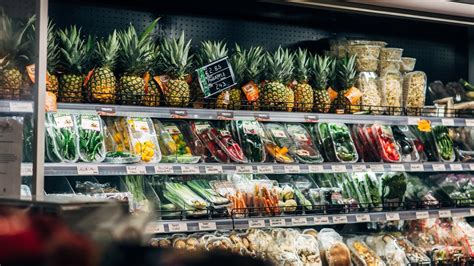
x=256, y=223
x=339, y=168
x=262, y=117
x=456, y=167
x=87, y=170
x=164, y=169
x=154, y=228
x=277, y=222
x=362, y=218
x=397, y=167
x=225, y=115
x=189, y=169
x=471, y=211
x=413, y=120
x=471, y=166
x=136, y=170
x=339, y=219
x=177, y=227
x=377, y=168
x=321, y=220
x=244, y=169
x=359, y=168
x=315, y=168
x=417, y=167
x=298, y=221
x=207, y=226
x=470, y=122
x=444, y=214
x=178, y=113
x=26, y=170
x=449, y=122
x=439, y=167
x=292, y=169
x=213, y=169
x=265, y=169
x=422, y=215
x=311, y=118
x=105, y=111
x=21, y=107
x=392, y=216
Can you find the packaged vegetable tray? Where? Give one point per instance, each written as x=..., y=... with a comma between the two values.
x=278, y=143
x=394, y=186
x=61, y=138
x=444, y=144
x=174, y=144
x=202, y=130
x=333, y=250
x=342, y=142
x=143, y=139
x=250, y=135
x=413, y=254
x=427, y=144
x=362, y=255
x=306, y=151
x=463, y=140
x=91, y=138
x=388, y=147
x=365, y=144
x=369, y=187
x=117, y=142
x=221, y=133
x=406, y=142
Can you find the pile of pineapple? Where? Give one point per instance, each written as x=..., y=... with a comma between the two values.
x=130, y=67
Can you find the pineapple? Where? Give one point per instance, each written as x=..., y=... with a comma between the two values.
x=74, y=58
x=52, y=84
x=275, y=94
x=14, y=46
x=346, y=76
x=152, y=91
x=101, y=85
x=238, y=63
x=176, y=62
x=303, y=91
x=321, y=68
x=255, y=63
x=135, y=58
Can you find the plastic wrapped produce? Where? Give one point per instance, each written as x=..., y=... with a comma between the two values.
x=308, y=250
x=333, y=251
x=391, y=86
x=463, y=140
x=427, y=145
x=417, y=191
x=173, y=143
x=389, y=65
x=414, y=91
x=369, y=187
x=367, y=83
x=394, y=186
x=278, y=143
x=61, y=138
x=91, y=138
x=117, y=141
x=385, y=247
x=203, y=130
x=405, y=140
x=27, y=138
x=183, y=197
x=408, y=64
x=391, y=53
x=250, y=135
x=344, y=148
x=143, y=139
x=362, y=255
x=227, y=143
x=204, y=189
x=444, y=144
x=413, y=254
x=364, y=50
x=388, y=147
x=306, y=151
x=365, y=143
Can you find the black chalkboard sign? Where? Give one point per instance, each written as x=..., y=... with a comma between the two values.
x=216, y=77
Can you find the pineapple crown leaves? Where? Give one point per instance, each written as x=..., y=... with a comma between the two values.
x=53, y=48
x=175, y=59
x=346, y=74
x=302, y=58
x=74, y=50
x=321, y=68
x=14, y=41
x=239, y=64
x=255, y=59
x=279, y=65
x=106, y=51
x=211, y=51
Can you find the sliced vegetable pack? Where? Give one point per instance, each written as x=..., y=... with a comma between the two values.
x=278, y=143
x=250, y=136
x=342, y=143
x=306, y=151
x=174, y=144
x=143, y=139
x=388, y=147
x=91, y=138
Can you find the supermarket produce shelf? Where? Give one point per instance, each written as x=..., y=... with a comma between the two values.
x=16, y=106
x=213, y=114
x=83, y=169
x=175, y=226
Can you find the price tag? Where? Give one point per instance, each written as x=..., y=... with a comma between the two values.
x=377, y=168
x=363, y=218
x=21, y=107
x=471, y=211
x=298, y=221
x=339, y=168
x=397, y=167
x=339, y=219
x=470, y=122
x=105, y=111
x=292, y=169
x=321, y=220
x=207, y=226
x=471, y=166
x=225, y=115
x=422, y=215
x=359, y=168
x=154, y=228
x=277, y=222
x=26, y=170
x=456, y=167
x=177, y=227
x=189, y=169
x=413, y=120
x=136, y=170
x=256, y=223
x=392, y=216
x=87, y=170
x=178, y=113
x=439, y=167
x=211, y=169
x=447, y=122
x=311, y=118
x=262, y=117
x=444, y=214
x=417, y=167
x=265, y=169
x=244, y=169
x=164, y=169
x=315, y=168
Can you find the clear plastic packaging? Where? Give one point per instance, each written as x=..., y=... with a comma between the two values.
x=391, y=85
x=405, y=140
x=444, y=144
x=250, y=135
x=463, y=140
x=117, y=141
x=367, y=83
x=362, y=254
x=203, y=130
x=367, y=64
x=218, y=243
x=225, y=140
x=91, y=138
x=61, y=138
x=369, y=187
x=386, y=248
x=307, y=249
x=389, y=65
x=366, y=42
x=391, y=54
x=278, y=143
x=333, y=250
x=394, y=186
x=365, y=143
x=173, y=143
x=306, y=151
x=387, y=146
x=413, y=254
x=143, y=139
x=427, y=145
x=364, y=50
x=343, y=144
x=408, y=64
x=414, y=91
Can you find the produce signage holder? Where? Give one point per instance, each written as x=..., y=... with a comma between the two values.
x=216, y=77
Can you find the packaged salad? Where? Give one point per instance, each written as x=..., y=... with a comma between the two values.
x=342, y=142
x=306, y=151
x=173, y=143
x=394, y=186
x=278, y=143
x=250, y=135
x=91, y=138
x=61, y=138
x=143, y=139
x=444, y=144
x=406, y=142
x=388, y=147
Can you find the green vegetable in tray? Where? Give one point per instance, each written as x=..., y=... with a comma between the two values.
x=182, y=196
x=343, y=144
x=444, y=143
x=62, y=138
x=136, y=186
x=204, y=189
x=250, y=138
x=394, y=186
x=91, y=138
